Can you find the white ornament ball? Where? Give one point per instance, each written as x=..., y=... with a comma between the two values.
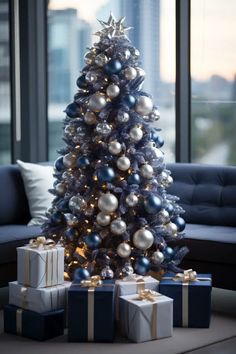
x=122, y=117
x=130, y=73
x=97, y=102
x=69, y=160
x=124, y=250
x=171, y=228
x=143, y=239
x=103, y=219
x=101, y=59
x=144, y=105
x=60, y=188
x=158, y=257
x=123, y=163
x=132, y=200
x=114, y=147
x=113, y=91
x=108, y=203
x=146, y=171
x=118, y=226
x=90, y=118
x=136, y=133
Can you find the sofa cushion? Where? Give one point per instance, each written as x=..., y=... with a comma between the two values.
x=207, y=193
x=13, y=202
x=214, y=244
x=12, y=236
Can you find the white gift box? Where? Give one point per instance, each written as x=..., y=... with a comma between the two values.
x=39, y=299
x=39, y=267
x=132, y=285
x=145, y=320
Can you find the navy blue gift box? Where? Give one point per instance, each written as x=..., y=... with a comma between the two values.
x=91, y=313
x=30, y=324
x=192, y=300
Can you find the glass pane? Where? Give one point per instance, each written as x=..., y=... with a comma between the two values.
x=71, y=25
x=213, y=57
x=5, y=106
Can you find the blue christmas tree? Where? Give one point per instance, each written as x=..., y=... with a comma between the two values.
x=111, y=209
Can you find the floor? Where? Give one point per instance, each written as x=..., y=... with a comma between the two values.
x=222, y=335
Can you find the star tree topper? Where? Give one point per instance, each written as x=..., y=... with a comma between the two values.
x=113, y=28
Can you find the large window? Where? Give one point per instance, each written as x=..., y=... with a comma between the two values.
x=213, y=58
x=5, y=110
x=70, y=28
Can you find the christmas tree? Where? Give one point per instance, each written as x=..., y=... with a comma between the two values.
x=111, y=209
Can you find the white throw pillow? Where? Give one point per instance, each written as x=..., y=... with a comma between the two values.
x=37, y=180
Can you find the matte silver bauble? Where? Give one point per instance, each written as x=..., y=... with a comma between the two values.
x=108, y=203
x=131, y=200
x=136, y=133
x=71, y=219
x=107, y=273
x=91, y=76
x=158, y=257
x=103, y=128
x=69, y=160
x=118, y=226
x=90, y=118
x=113, y=91
x=124, y=250
x=97, y=102
x=60, y=188
x=143, y=239
x=122, y=117
x=155, y=114
x=114, y=147
x=101, y=59
x=171, y=228
x=130, y=73
x=103, y=219
x=146, y=171
x=77, y=203
x=140, y=72
x=163, y=216
x=123, y=163
x=89, y=58
x=143, y=105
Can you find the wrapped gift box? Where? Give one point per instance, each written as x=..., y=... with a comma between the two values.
x=39, y=267
x=39, y=299
x=192, y=300
x=33, y=325
x=132, y=285
x=91, y=313
x=145, y=320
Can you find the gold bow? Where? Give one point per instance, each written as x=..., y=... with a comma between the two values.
x=187, y=276
x=42, y=242
x=93, y=282
x=147, y=294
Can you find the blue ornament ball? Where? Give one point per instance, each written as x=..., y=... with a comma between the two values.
x=142, y=265
x=169, y=207
x=93, y=240
x=106, y=174
x=59, y=165
x=72, y=110
x=134, y=178
x=83, y=162
x=71, y=234
x=56, y=218
x=152, y=204
x=81, y=82
x=128, y=100
x=80, y=274
x=179, y=222
x=114, y=66
x=168, y=253
x=158, y=140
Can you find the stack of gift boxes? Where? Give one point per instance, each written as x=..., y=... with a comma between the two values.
x=140, y=306
x=38, y=299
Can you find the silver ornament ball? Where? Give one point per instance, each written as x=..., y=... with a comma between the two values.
x=124, y=250
x=89, y=58
x=155, y=114
x=146, y=171
x=91, y=76
x=71, y=219
x=113, y=91
x=144, y=105
x=103, y=219
x=140, y=72
x=118, y=226
x=77, y=203
x=124, y=54
x=107, y=273
x=114, y=147
x=163, y=216
x=130, y=73
x=127, y=269
x=90, y=118
x=158, y=257
x=131, y=200
x=171, y=228
x=69, y=160
x=122, y=117
x=101, y=59
x=97, y=102
x=143, y=239
x=108, y=203
x=136, y=133
x=60, y=188
x=123, y=163
x=103, y=128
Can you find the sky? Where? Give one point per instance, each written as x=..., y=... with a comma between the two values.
x=213, y=35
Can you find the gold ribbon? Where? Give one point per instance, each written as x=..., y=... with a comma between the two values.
x=19, y=321
x=187, y=276
x=92, y=282
x=147, y=294
x=42, y=242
